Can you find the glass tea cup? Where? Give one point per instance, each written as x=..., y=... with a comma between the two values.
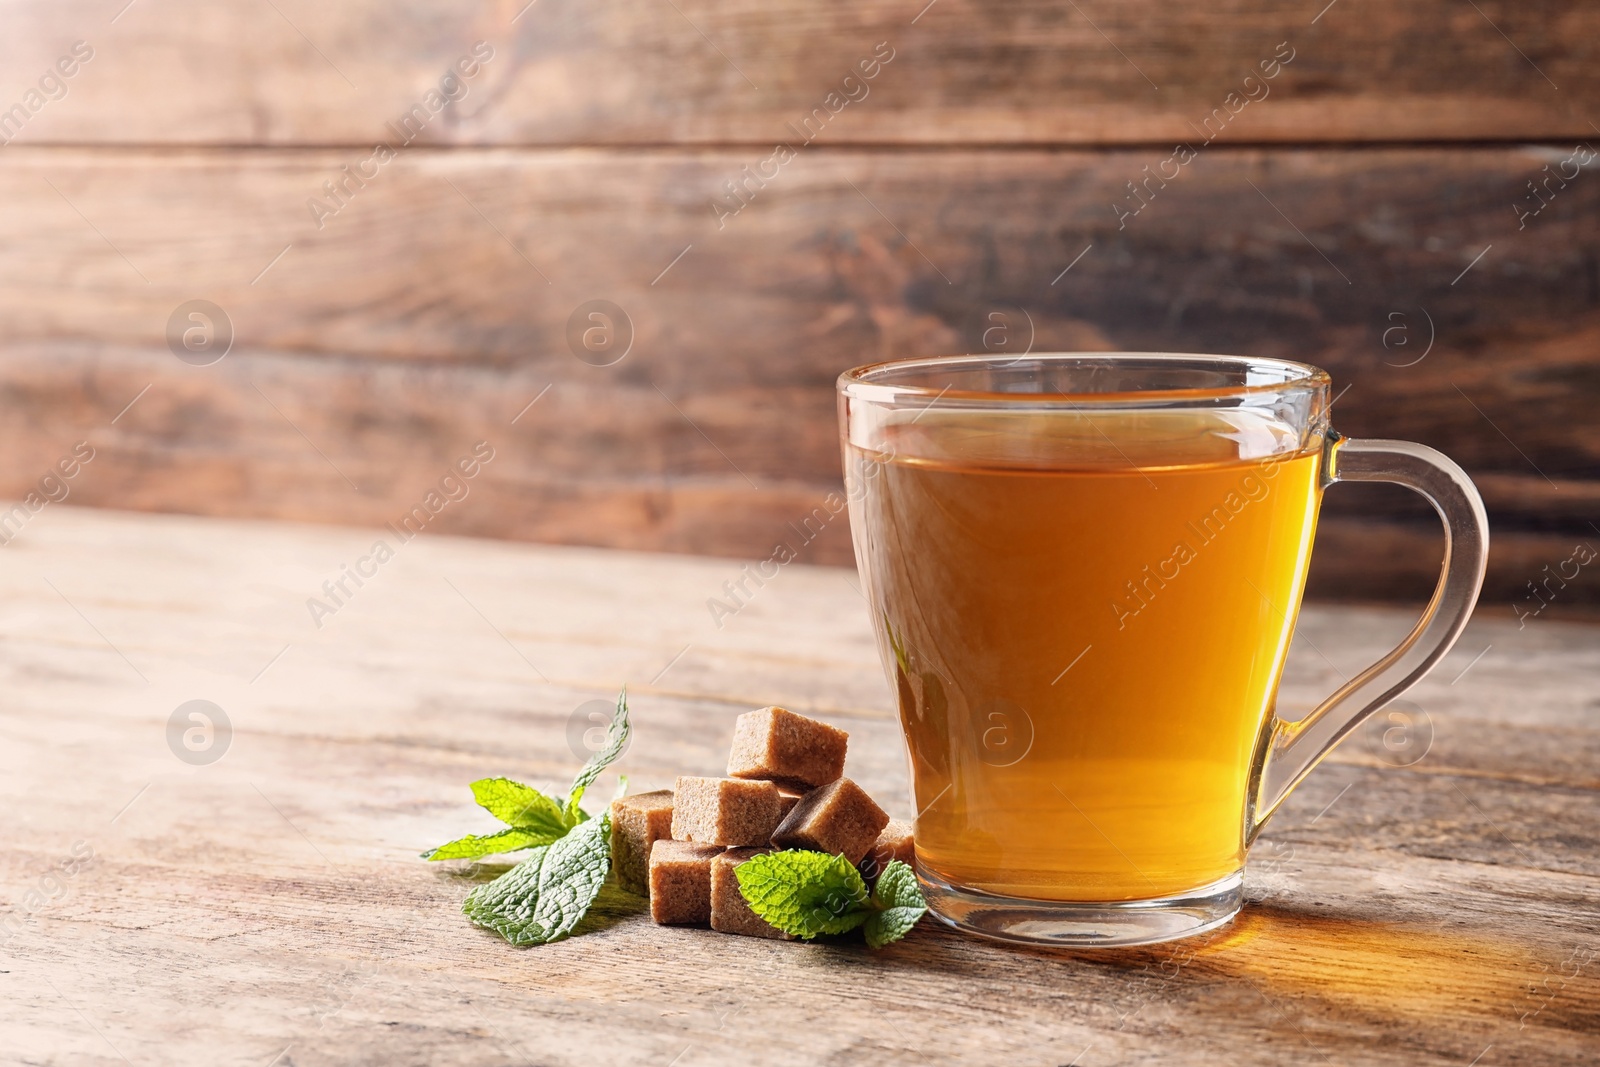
x=1084, y=571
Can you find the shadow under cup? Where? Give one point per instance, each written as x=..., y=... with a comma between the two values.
x=1084, y=572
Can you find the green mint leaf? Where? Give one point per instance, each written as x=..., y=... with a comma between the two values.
x=805, y=893
x=885, y=927
x=897, y=887
x=900, y=903
x=472, y=846
x=616, y=740
x=520, y=805
x=545, y=896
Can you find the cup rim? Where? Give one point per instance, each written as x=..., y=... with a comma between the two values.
x=857, y=382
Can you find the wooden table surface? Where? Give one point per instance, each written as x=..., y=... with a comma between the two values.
x=1432, y=899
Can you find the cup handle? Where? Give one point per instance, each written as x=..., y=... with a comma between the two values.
x=1289, y=750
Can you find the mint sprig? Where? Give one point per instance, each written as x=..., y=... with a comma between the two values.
x=805, y=894
x=543, y=898
x=473, y=847
x=899, y=903
x=616, y=740
x=533, y=818
x=520, y=805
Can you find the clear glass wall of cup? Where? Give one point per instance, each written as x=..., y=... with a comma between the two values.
x=1084, y=571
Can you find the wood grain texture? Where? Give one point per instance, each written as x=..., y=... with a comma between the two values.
x=638, y=72
x=434, y=307
x=271, y=904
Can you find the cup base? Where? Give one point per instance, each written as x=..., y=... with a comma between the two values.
x=1075, y=924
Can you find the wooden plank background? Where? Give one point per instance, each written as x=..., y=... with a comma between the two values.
x=638, y=72
x=1369, y=210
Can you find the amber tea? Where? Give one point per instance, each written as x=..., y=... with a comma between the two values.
x=1085, y=647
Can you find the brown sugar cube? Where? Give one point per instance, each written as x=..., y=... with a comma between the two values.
x=680, y=881
x=637, y=822
x=838, y=818
x=894, y=843
x=725, y=811
x=796, y=752
x=730, y=912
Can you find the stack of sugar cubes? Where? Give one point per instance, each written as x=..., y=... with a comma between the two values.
x=785, y=789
